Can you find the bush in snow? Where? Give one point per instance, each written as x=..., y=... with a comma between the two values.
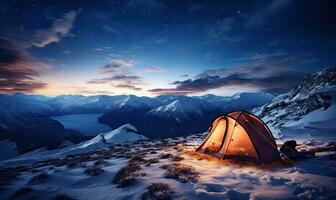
x=180, y=172
x=177, y=158
x=93, y=171
x=158, y=191
x=137, y=158
x=21, y=192
x=125, y=177
x=152, y=161
x=165, y=156
x=40, y=178
x=100, y=162
x=153, y=152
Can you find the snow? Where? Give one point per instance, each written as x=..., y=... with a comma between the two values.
x=309, y=179
x=319, y=119
x=124, y=134
x=7, y=149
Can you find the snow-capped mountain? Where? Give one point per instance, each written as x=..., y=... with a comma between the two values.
x=174, y=115
x=311, y=105
x=26, y=119
x=123, y=134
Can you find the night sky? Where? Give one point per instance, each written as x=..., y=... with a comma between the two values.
x=155, y=47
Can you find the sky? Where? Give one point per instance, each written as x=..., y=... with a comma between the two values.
x=155, y=47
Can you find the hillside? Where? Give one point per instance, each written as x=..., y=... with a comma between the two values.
x=307, y=111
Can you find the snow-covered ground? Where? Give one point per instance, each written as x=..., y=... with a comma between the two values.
x=124, y=134
x=200, y=177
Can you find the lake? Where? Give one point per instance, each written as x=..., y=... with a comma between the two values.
x=85, y=123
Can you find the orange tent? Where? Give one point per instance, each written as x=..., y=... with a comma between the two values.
x=240, y=135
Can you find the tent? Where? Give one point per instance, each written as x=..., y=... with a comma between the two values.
x=240, y=135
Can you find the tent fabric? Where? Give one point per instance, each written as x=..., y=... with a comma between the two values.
x=240, y=135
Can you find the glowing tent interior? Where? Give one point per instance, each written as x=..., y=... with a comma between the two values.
x=240, y=135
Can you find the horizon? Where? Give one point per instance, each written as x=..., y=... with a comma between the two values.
x=155, y=47
x=111, y=95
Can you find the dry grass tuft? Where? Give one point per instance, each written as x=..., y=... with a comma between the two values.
x=158, y=191
x=181, y=172
x=99, y=162
x=152, y=161
x=177, y=158
x=93, y=171
x=126, y=176
x=165, y=156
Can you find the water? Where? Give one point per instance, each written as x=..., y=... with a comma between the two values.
x=85, y=123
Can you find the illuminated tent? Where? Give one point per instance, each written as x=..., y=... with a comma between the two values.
x=240, y=135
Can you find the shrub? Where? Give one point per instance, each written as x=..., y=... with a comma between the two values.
x=152, y=161
x=93, y=171
x=40, y=178
x=165, y=156
x=180, y=172
x=158, y=191
x=125, y=177
x=100, y=162
x=137, y=158
x=21, y=192
x=177, y=158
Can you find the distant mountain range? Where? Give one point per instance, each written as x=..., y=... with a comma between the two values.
x=172, y=115
x=26, y=119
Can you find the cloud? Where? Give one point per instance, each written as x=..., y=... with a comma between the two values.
x=259, y=17
x=104, y=48
x=18, y=70
x=60, y=28
x=117, y=78
x=111, y=29
x=120, y=75
x=117, y=66
x=128, y=86
x=154, y=69
x=93, y=92
x=160, y=40
x=226, y=29
x=267, y=75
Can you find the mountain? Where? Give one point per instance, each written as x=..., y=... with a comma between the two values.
x=25, y=120
x=124, y=134
x=308, y=108
x=121, y=135
x=176, y=115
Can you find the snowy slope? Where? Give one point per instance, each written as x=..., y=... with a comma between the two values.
x=194, y=177
x=124, y=134
x=307, y=111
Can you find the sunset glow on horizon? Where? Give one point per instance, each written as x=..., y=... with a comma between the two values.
x=150, y=48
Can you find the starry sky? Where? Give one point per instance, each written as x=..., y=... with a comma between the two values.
x=155, y=47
